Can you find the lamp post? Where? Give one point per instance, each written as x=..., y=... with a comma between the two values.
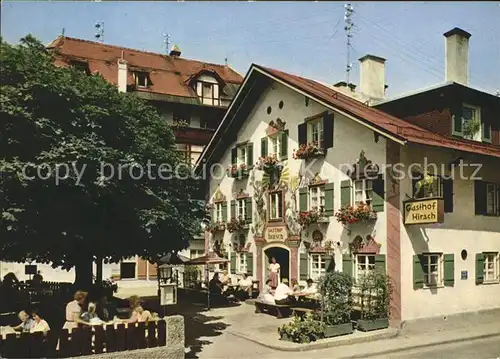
x=167, y=286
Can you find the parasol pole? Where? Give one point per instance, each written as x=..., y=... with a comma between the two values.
x=208, y=287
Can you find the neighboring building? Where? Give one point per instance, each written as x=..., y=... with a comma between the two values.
x=192, y=95
x=440, y=242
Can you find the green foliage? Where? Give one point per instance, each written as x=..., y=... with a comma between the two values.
x=375, y=290
x=60, y=116
x=336, y=291
x=302, y=330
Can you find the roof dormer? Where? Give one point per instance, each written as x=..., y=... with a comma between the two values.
x=208, y=86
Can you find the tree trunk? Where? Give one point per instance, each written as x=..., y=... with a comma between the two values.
x=83, y=277
x=98, y=279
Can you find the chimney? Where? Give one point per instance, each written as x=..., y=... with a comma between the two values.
x=457, y=56
x=372, y=77
x=122, y=75
x=175, y=52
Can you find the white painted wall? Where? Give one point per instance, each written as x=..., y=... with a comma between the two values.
x=349, y=139
x=461, y=229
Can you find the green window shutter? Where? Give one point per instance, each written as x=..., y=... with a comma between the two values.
x=214, y=214
x=347, y=264
x=329, y=196
x=233, y=209
x=233, y=263
x=327, y=130
x=248, y=209
x=263, y=147
x=378, y=200
x=224, y=211
x=479, y=268
x=457, y=118
x=345, y=193
x=234, y=155
x=249, y=263
x=302, y=128
x=449, y=270
x=303, y=199
x=480, y=197
x=418, y=272
x=284, y=145
x=250, y=156
x=380, y=263
x=330, y=263
x=448, y=195
x=304, y=266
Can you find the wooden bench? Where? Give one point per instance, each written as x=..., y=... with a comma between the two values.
x=280, y=310
x=300, y=312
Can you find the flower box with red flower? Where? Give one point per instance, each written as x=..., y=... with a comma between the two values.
x=268, y=164
x=215, y=227
x=354, y=214
x=307, y=151
x=306, y=218
x=237, y=171
x=236, y=224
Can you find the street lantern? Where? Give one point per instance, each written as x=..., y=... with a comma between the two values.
x=167, y=284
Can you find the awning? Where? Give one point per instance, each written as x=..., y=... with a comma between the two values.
x=207, y=259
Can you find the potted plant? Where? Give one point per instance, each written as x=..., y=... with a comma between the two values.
x=309, y=150
x=301, y=330
x=179, y=124
x=353, y=214
x=235, y=224
x=306, y=218
x=237, y=171
x=215, y=226
x=269, y=164
x=336, y=305
x=375, y=289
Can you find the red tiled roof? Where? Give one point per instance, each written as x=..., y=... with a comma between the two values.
x=169, y=75
x=394, y=126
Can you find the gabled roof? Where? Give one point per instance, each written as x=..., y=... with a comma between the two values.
x=387, y=125
x=169, y=74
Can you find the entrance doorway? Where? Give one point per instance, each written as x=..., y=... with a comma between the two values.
x=282, y=258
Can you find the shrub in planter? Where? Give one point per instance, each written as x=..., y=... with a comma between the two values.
x=375, y=290
x=301, y=330
x=336, y=303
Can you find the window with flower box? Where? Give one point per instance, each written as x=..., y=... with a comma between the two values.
x=318, y=130
x=364, y=264
x=369, y=191
x=219, y=212
x=363, y=192
x=241, y=208
x=317, y=198
x=276, y=205
x=242, y=263
x=275, y=144
x=241, y=159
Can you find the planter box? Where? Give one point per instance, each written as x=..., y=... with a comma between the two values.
x=368, y=325
x=339, y=329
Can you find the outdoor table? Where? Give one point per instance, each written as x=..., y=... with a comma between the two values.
x=7, y=330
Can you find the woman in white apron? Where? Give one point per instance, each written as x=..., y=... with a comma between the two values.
x=274, y=272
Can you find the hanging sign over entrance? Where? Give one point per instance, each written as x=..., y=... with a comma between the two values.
x=423, y=211
x=276, y=234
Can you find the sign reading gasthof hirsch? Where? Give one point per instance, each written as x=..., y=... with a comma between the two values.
x=423, y=211
x=276, y=234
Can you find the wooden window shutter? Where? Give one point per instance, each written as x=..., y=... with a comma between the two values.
x=347, y=264
x=304, y=266
x=233, y=209
x=448, y=195
x=249, y=263
x=380, y=263
x=224, y=211
x=449, y=270
x=263, y=147
x=250, y=156
x=248, y=209
x=457, y=118
x=233, y=262
x=329, y=199
x=415, y=178
x=303, y=134
x=479, y=268
x=234, y=156
x=378, y=201
x=345, y=193
x=303, y=205
x=328, y=130
x=284, y=145
x=480, y=197
x=418, y=272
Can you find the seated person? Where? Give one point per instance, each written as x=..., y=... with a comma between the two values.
x=245, y=289
x=90, y=315
x=40, y=324
x=104, y=310
x=26, y=322
x=140, y=315
x=295, y=285
x=284, y=294
x=266, y=296
x=215, y=285
x=311, y=288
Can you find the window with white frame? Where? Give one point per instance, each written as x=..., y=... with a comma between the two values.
x=315, y=132
x=491, y=264
x=276, y=205
x=242, y=155
x=492, y=198
x=363, y=191
x=317, y=198
x=470, y=114
x=275, y=145
x=317, y=266
x=364, y=263
x=432, y=265
x=141, y=79
x=241, y=208
x=242, y=262
x=218, y=212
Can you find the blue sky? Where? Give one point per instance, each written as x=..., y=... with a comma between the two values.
x=304, y=38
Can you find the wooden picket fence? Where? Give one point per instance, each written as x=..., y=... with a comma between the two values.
x=84, y=340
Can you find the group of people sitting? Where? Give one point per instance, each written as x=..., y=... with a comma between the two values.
x=31, y=324
x=222, y=287
x=285, y=294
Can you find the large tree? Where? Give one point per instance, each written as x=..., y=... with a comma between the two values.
x=53, y=119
